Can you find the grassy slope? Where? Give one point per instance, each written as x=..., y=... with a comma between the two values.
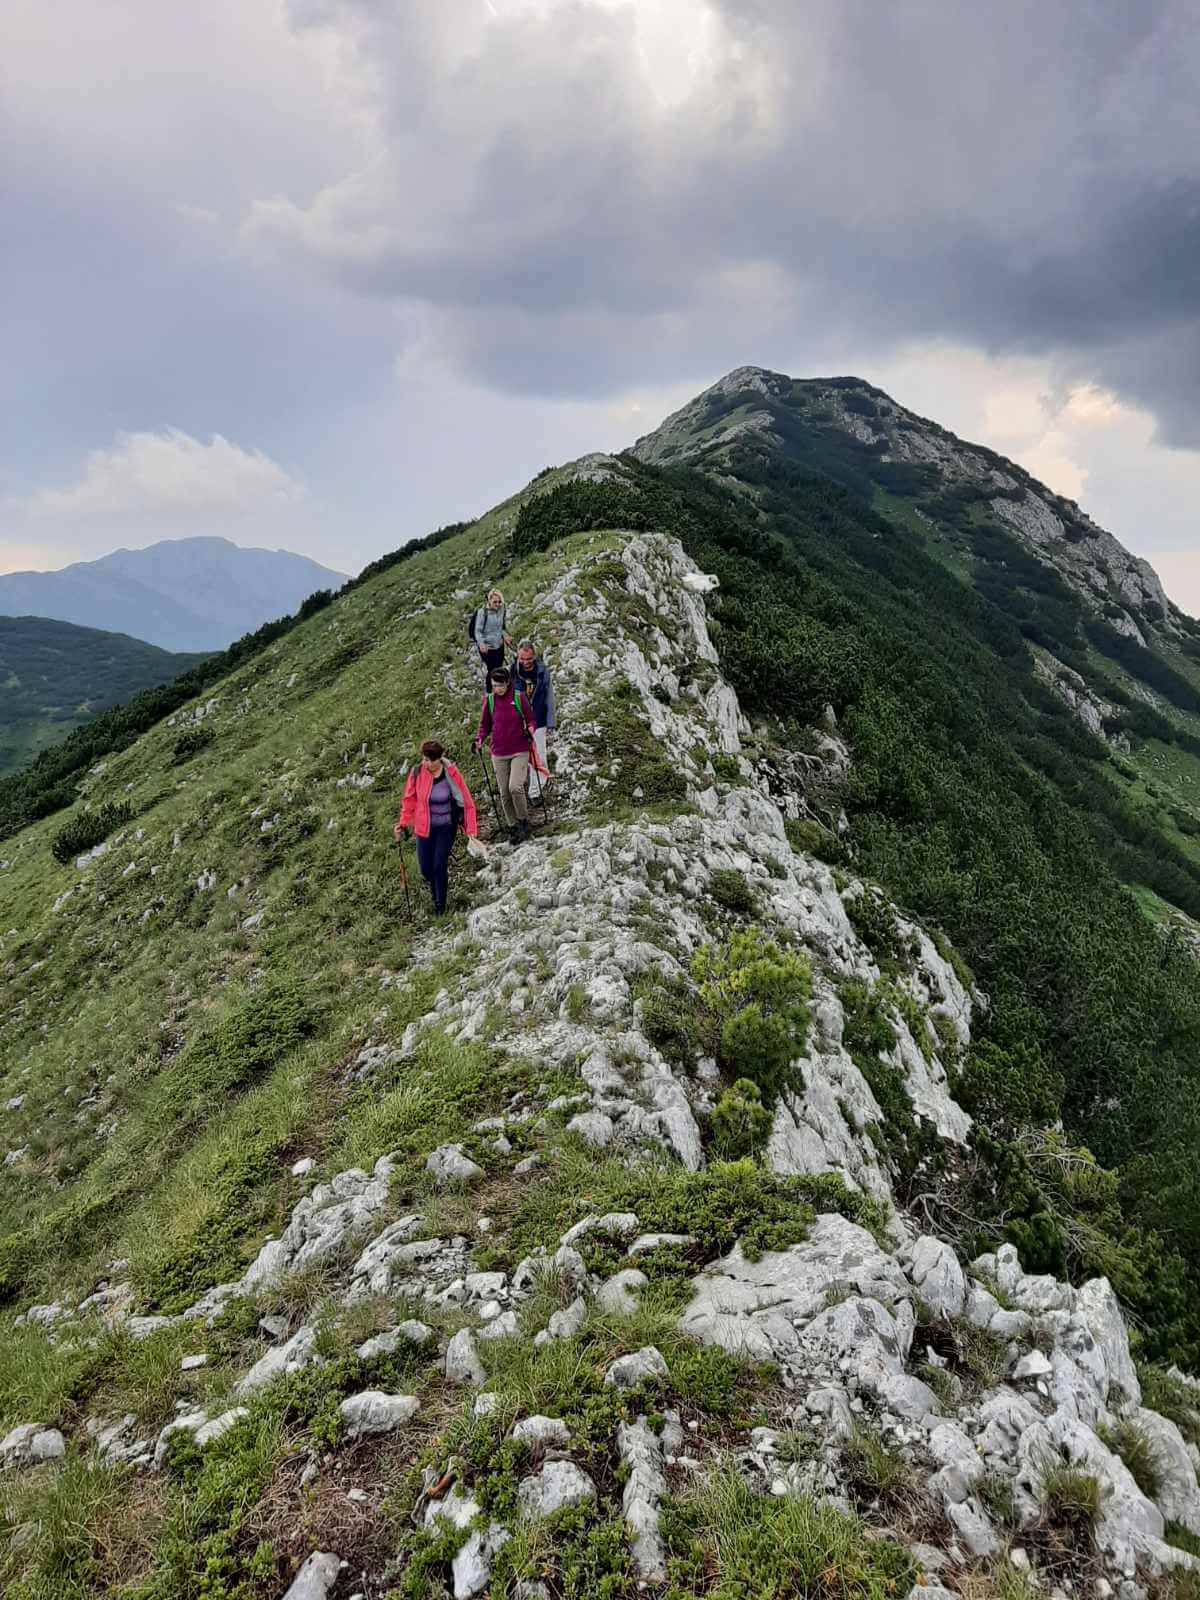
x=104, y=998
x=55, y=676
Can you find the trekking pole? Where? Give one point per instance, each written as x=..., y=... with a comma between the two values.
x=404, y=877
x=487, y=778
x=541, y=779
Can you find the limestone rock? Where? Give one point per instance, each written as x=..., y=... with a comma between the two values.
x=613, y=1224
x=188, y=1422
x=386, y=1344
x=642, y=1366
x=566, y=1324
x=753, y=1308
x=375, y=1412
x=542, y=1431
x=618, y=1295
x=210, y=1432
x=558, y=1484
x=29, y=1444
x=593, y=1127
x=1178, y=1497
x=503, y=1326
x=298, y=1352
x=462, y=1360
x=471, y=1568
x=937, y=1277
x=1097, y=1305
x=380, y=1258
x=449, y=1164
x=644, y=1488
x=316, y=1578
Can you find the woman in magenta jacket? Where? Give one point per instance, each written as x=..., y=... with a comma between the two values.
x=436, y=804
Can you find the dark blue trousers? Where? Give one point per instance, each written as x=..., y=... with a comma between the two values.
x=433, y=858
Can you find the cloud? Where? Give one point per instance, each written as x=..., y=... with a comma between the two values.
x=197, y=213
x=556, y=176
x=168, y=474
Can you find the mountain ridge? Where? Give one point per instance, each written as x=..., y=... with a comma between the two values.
x=196, y=594
x=783, y=1040
x=1049, y=522
x=56, y=676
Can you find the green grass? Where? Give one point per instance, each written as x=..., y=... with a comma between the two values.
x=728, y=1543
x=1139, y=1453
x=726, y=1203
x=124, y=1005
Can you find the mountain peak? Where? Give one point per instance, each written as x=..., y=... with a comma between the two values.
x=846, y=429
x=193, y=594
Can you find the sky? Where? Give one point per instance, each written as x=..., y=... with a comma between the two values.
x=326, y=274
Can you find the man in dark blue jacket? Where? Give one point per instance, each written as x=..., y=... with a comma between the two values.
x=532, y=677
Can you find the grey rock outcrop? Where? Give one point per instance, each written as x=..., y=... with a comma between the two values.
x=642, y=1366
x=462, y=1360
x=645, y=1485
x=316, y=1578
x=375, y=1412
x=557, y=1485
x=29, y=1444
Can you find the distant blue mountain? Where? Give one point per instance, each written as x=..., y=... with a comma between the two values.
x=180, y=594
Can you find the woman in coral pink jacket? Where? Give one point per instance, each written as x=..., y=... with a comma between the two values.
x=436, y=804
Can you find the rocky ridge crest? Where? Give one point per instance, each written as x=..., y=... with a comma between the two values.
x=864, y=1321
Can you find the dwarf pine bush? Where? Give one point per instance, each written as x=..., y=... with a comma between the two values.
x=755, y=997
x=88, y=828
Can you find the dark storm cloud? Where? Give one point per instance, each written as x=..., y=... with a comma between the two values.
x=1023, y=178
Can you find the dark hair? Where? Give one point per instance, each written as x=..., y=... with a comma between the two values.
x=432, y=750
x=501, y=675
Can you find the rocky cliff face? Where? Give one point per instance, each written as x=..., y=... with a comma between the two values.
x=574, y=1319
x=1112, y=582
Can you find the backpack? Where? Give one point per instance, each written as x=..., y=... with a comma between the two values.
x=518, y=701
x=471, y=626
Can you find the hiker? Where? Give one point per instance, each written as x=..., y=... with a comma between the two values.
x=488, y=631
x=507, y=718
x=436, y=804
x=532, y=677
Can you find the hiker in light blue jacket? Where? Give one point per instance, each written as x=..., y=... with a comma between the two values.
x=489, y=631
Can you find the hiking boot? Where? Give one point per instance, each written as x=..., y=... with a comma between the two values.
x=523, y=830
x=514, y=835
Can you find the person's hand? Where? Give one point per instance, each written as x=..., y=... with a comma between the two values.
x=508, y=640
x=477, y=746
x=483, y=649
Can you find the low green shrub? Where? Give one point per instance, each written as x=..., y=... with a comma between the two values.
x=580, y=1550
x=729, y=888
x=754, y=998
x=88, y=828
x=865, y=1026
x=874, y=921
x=668, y=1021
x=740, y=1123
x=1182, y=1538
x=812, y=838
x=723, y=1204
x=1171, y=1397
x=190, y=743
